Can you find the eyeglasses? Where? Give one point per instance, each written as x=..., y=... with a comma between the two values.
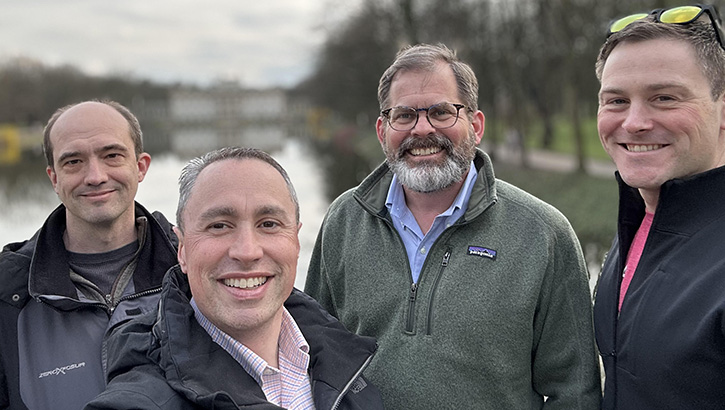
x=676, y=15
x=440, y=116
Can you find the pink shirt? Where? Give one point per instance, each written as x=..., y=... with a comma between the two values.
x=635, y=252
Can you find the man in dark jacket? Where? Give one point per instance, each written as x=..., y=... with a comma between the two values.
x=660, y=304
x=97, y=260
x=230, y=331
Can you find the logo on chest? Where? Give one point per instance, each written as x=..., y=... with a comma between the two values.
x=482, y=252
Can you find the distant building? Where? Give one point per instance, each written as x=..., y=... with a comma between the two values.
x=201, y=120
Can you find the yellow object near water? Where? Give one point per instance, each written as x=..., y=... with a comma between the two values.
x=9, y=145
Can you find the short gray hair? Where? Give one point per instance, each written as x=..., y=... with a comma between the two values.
x=191, y=172
x=425, y=57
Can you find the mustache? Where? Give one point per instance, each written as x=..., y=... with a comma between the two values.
x=429, y=141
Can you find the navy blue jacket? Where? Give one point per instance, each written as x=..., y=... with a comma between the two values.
x=51, y=335
x=666, y=349
x=166, y=360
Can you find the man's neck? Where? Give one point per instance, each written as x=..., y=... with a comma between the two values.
x=86, y=238
x=425, y=207
x=651, y=199
x=264, y=341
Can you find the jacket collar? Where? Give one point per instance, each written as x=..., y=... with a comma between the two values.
x=373, y=190
x=184, y=348
x=49, y=272
x=685, y=205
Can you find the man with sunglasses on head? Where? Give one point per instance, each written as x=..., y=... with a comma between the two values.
x=660, y=303
x=476, y=291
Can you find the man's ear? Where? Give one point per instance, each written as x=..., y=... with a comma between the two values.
x=143, y=161
x=53, y=177
x=181, y=252
x=479, y=125
x=380, y=130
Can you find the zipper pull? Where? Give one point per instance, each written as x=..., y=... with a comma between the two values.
x=446, y=258
x=109, y=303
x=413, y=292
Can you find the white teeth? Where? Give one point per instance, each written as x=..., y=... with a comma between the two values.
x=643, y=148
x=242, y=283
x=424, y=151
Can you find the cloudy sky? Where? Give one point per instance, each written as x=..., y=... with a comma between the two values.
x=259, y=43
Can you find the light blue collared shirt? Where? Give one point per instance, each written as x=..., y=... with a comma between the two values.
x=416, y=244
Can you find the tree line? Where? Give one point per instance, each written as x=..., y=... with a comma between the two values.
x=534, y=58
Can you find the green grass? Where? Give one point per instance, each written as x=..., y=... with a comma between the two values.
x=564, y=138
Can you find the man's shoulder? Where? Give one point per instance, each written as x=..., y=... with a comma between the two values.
x=529, y=208
x=158, y=222
x=15, y=261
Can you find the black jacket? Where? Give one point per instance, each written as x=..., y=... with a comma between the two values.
x=51, y=335
x=168, y=361
x=666, y=349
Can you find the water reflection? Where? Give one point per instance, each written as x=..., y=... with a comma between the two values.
x=27, y=197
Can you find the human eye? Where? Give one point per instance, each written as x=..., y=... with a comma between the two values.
x=218, y=227
x=114, y=157
x=441, y=111
x=402, y=115
x=270, y=224
x=664, y=98
x=613, y=102
x=71, y=163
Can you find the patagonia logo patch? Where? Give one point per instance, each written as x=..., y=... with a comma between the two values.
x=482, y=252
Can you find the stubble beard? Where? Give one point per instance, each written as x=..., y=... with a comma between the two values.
x=431, y=176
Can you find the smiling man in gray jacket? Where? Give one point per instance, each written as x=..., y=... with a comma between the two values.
x=476, y=291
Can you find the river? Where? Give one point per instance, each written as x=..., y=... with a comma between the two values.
x=28, y=198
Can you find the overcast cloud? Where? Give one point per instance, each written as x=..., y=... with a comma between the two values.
x=260, y=43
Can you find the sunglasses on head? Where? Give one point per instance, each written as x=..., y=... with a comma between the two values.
x=675, y=15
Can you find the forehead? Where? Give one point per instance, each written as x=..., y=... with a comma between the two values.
x=244, y=184
x=417, y=87
x=89, y=123
x=641, y=63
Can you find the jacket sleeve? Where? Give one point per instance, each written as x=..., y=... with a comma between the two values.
x=124, y=393
x=134, y=378
x=565, y=365
x=316, y=283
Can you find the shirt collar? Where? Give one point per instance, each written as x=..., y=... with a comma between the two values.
x=292, y=344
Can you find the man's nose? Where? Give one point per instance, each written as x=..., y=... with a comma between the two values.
x=638, y=119
x=95, y=172
x=246, y=246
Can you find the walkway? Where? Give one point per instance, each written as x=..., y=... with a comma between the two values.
x=552, y=161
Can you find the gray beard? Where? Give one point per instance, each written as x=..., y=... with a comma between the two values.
x=430, y=176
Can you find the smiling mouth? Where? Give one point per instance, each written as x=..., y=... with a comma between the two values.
x=416, y=152
x=242, y=283
x=642, y=148
x=96, y=194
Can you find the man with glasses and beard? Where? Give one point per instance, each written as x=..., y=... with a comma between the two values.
x=476, y=291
